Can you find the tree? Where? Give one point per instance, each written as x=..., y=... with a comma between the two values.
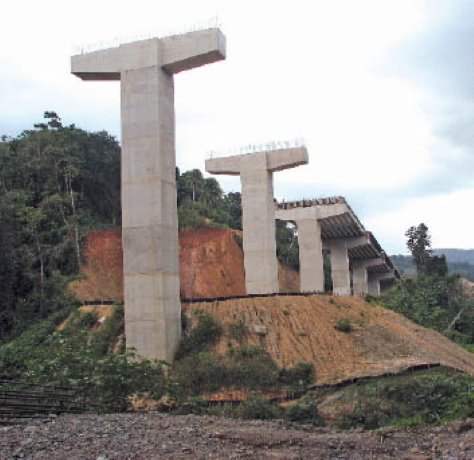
x=419, y=244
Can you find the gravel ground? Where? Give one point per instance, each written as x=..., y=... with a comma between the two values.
x=154, y=435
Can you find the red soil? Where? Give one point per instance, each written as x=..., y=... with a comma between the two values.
x=103, y=270
x=211, y=265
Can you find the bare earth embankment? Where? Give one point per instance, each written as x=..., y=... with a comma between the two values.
x=153, y=435
x=301, y=329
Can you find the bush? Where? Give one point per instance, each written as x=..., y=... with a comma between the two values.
x=343, y=325
x=367, y=414
x=237, y=330
x=202, y=336
x=252, y=369
x=304, y=411
x=198, y=373
x=300, y=375
x=258, y=408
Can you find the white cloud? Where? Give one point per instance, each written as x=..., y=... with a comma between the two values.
x=449, y=218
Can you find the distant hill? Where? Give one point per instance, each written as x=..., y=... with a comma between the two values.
x=457, y=255
x=460, y=261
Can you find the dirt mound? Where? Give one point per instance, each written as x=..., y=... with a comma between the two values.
x=211, y=265
x=301, y=329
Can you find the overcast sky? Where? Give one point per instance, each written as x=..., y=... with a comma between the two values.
x=381, y=90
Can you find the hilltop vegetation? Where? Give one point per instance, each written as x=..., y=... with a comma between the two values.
x=433, y=298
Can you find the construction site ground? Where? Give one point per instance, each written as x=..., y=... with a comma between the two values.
x=154, y=435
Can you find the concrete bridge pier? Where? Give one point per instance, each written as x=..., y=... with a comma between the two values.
x=310, y=255
x=149, y=215
x=258, y=210
x=374, y=282
x=307, y=219
x=340, y=270
x=360, y=276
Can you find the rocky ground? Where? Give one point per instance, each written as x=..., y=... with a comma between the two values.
x=154, y=435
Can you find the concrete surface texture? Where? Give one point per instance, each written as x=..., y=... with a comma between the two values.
x=258, y=209
x=149, y=215
x=310, y=240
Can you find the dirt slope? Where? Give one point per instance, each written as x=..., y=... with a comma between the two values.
x=103, y=273
x=211, y=265
x=301, y=329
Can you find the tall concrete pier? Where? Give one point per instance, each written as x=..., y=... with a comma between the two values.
x=258, y=209
x=149, y=215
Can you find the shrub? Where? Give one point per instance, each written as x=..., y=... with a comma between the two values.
x=305, y=411
x=258, y=408
x=252, y=368
x=237, y=330
x=343, y=325
x=198, y=373
x=368, y=414
x=302, y=374
x=202, y=336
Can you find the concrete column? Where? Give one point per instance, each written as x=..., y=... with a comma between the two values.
x=374, y=286
x=260, y=262
x=310, y=255
x=360, y=279
x=374, y=282
x=360, y=276
x=258, y=210
x=340, y=272
x=149, y=216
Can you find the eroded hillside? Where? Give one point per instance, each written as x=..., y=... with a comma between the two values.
x=211, y=265
x=301, y=329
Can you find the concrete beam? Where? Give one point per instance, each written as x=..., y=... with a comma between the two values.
x=287, y=158
x=173, y=54
x=149, y=215
x=194, y=49
x=311, y=212
x=258, y=210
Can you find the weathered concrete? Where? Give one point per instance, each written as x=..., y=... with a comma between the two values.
x=149, y=215
x=309, y=240
x=258, y=210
